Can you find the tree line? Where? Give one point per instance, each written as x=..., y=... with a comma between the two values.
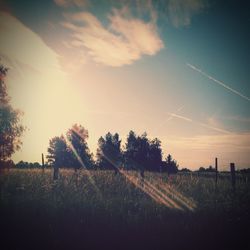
x=139, y=152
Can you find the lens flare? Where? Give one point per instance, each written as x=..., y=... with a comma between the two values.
x=164, y=194
x=83, y=165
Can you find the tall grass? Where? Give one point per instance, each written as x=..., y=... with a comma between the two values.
x=114, y=194
x=101, y=203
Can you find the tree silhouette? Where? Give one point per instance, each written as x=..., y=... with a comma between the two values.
x=77, y=142
x=70, y=151
x=155, y=155
x=209, y=169
x=10, y=127
x=109, y=154
x=59, y=155
x=142, y=153
x=185, y=170
x=131, y=148
x=22, y=165
x=170, y=166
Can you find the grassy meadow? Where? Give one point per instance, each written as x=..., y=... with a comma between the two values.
x=98, y=209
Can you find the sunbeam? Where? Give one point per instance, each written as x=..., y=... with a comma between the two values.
x=163, y=196
x=82, y=164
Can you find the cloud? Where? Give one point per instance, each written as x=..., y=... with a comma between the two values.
x=180, y=12
x=68, y=3
x=237, y=118
x=201, y=150
x=28, y=49
x=125, y=40
x=225, y=143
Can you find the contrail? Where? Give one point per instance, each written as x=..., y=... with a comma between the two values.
x=214, y=128
x=217, y=81
x=180, y=117
x=169, y=118
x=187, y=119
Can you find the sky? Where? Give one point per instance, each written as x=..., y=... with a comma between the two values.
x=177, y=69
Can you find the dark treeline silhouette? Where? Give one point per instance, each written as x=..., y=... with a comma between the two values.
x=245, y=171
x=139, y=153
x=109, y=154
x=23, y=164
x=209, y=169
x=142, y=153
x=170, y=166
x=185, y=170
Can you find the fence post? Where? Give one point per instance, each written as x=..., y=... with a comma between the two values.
x=56, y=172
x=216, y=171
x=232, y=169
x=42, y=162
x=142, y=176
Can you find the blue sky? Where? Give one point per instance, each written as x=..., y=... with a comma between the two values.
x=124, y=65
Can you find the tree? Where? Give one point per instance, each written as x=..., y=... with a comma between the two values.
x=209, y=169
x=70, y=151
x=77, y=142
x=142, y=153
x=130, y=150
x=170, y=166
x=155, y=155
x=202, y=169
x=22, y=164
x=59, y=155
x=109, y=154
x=185, y=170
x=10, y=127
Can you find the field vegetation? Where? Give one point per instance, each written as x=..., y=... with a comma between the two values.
x=99, y=208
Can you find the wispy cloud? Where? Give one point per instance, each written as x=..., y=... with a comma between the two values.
x=32, y=52
x=229, y=143
x=217, y=81
x=200, y=150
x=214, y=128
x=180, y=12
x=237, y=119
x=125, y=40
x=68, y=3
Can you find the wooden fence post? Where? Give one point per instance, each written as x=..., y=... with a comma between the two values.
x=142, y=173
x=232, y=169
x=216, y=171
x=42, y=162
x=56, y=173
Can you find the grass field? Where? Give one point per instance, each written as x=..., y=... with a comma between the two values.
x=98, y=209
